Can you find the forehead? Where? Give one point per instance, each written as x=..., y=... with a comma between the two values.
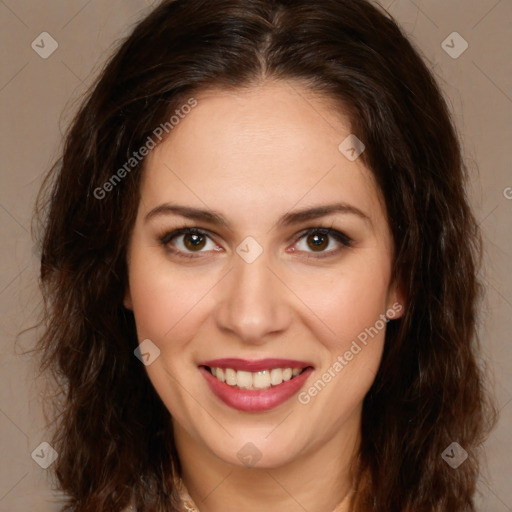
x=250, y=149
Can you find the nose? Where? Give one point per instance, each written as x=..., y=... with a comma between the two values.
x=253, y=304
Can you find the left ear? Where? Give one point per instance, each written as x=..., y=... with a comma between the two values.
x=396, y=302
x=127, y=301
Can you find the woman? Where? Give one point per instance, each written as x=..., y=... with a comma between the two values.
x=259, y=265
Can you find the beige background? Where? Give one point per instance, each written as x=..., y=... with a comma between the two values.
x=38, y=97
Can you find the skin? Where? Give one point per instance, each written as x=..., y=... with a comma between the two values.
x=252, y=156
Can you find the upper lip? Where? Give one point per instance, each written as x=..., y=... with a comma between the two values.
x=255, y=365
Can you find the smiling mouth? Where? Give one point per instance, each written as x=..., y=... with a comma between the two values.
x=259, y=380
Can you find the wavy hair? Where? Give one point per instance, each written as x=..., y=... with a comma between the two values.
x=112, y=432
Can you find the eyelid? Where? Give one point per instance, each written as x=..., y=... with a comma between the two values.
x=185, y=230
x=170, y=235
x=338, y=235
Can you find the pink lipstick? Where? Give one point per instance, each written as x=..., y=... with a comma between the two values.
x=255, y=385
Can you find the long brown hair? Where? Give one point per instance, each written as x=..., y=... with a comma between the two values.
x=113, y=433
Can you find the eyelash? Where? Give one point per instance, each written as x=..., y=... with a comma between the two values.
x=342, y=238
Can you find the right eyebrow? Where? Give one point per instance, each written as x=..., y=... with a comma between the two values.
x=188, y=212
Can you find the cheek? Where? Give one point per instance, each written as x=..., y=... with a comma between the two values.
x=347, y=301
x=168, y=309
x=164, y=301
x=353, y=346
x=351, y=305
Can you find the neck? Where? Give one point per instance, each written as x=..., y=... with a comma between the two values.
x=316, y=481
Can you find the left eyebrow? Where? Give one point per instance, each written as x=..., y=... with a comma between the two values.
x=316, y=212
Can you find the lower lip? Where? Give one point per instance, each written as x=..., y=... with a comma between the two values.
x=255, y=401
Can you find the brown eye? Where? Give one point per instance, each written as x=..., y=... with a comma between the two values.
x=323, y=241
x=317, y=241
x=194, y=241
x=188, y=242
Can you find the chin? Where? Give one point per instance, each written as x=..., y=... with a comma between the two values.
x=258, y=451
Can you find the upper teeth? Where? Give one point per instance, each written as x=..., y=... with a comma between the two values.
x=255, y=380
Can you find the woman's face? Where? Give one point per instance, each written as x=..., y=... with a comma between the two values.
x=260, y=285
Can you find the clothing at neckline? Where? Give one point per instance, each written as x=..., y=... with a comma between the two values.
x=188, y=505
